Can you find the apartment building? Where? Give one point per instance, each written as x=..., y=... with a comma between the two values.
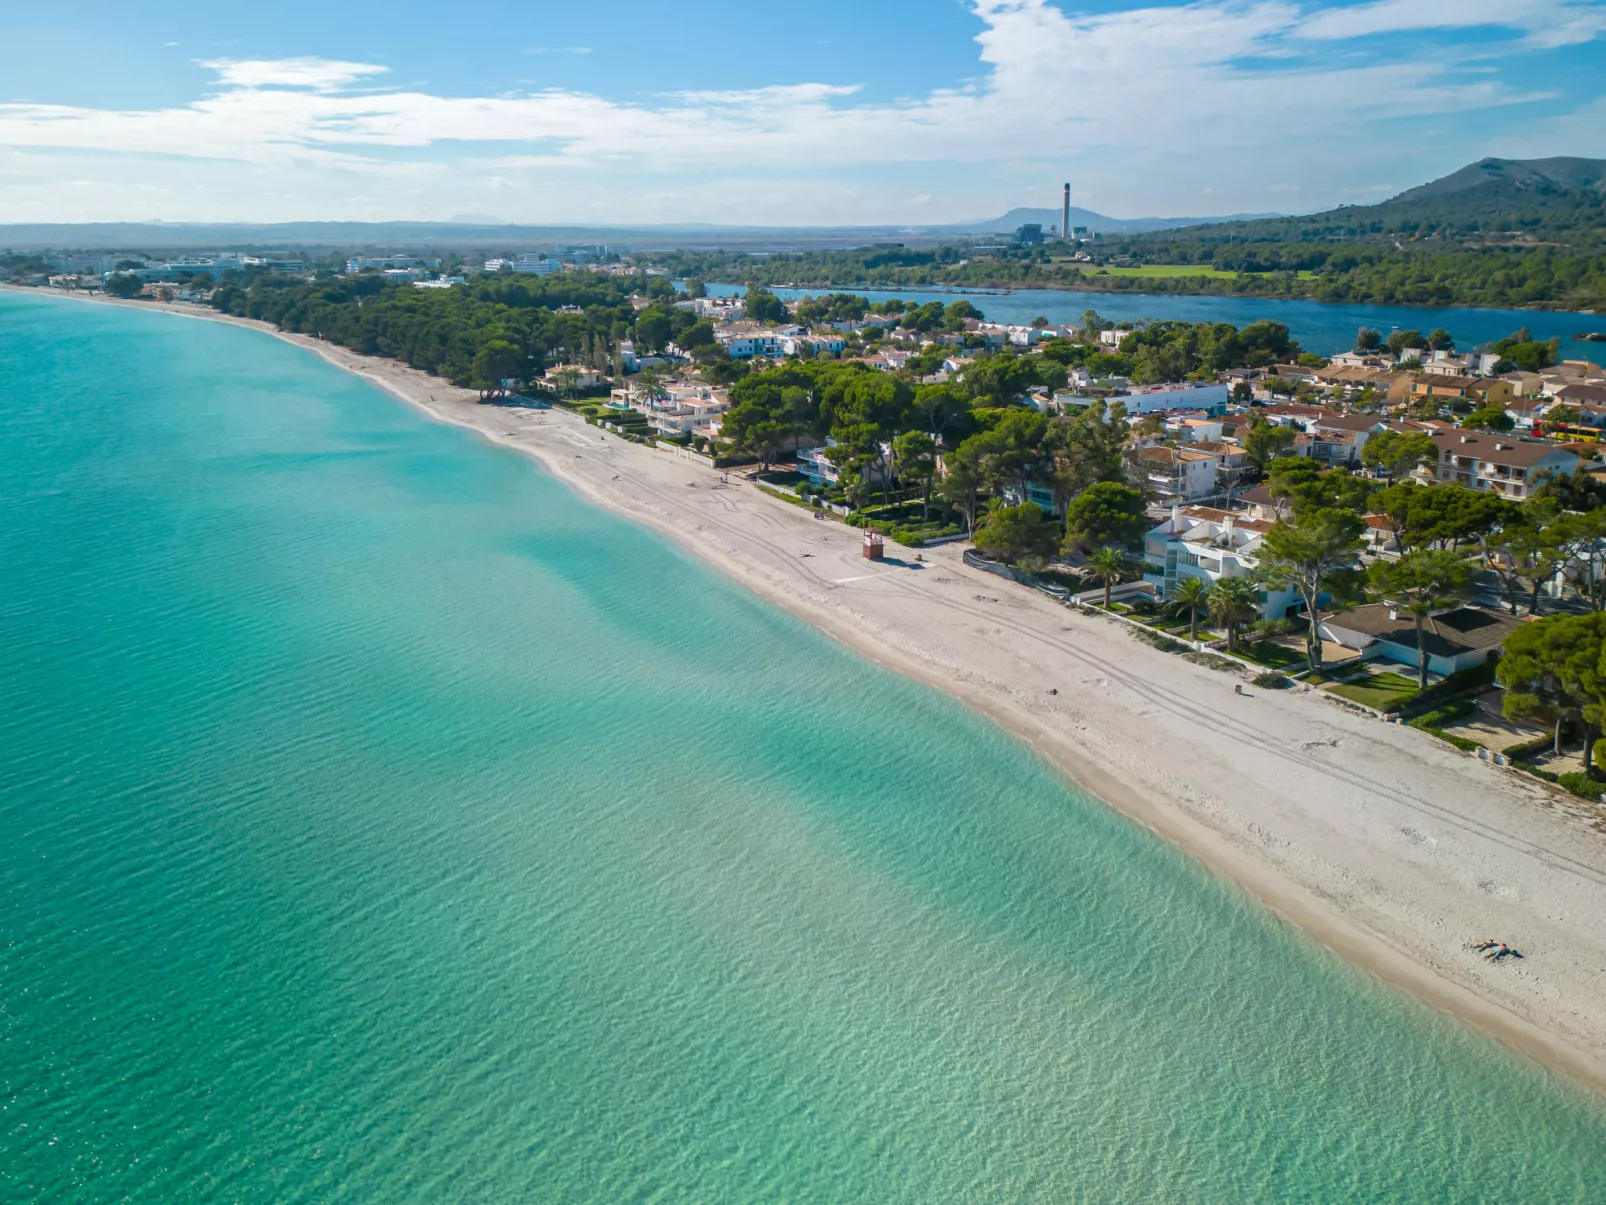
x=1499, y=463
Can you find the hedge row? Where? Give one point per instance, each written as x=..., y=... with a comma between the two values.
x=1461, y=682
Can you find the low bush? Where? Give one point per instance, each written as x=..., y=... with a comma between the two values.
x=1463, y=681
x=1271, y=680
x=1460, y=742
x=1585, y=785
x=1268, y=629
x=1158, y=639
x=1211, y=661
x=1441, y=716
x=1540, y=744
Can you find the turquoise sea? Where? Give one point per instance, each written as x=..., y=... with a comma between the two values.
x=381, y=823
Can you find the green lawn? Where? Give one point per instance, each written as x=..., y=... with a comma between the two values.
x=1179, y=628
x=1374, y=690
x=1271, y=654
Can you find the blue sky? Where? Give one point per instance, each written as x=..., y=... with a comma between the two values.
x=810, y=113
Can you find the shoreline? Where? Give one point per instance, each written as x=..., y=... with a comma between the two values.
x=1392, y=858
x=1082, y=287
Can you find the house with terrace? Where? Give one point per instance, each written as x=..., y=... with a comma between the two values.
x=1455, y=639
x=1504, y=465
x=1174, y=474
x=1339, y=440
x=1203, y=542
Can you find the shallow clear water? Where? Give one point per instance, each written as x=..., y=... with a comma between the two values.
x=378, y=822
x=1326, y=329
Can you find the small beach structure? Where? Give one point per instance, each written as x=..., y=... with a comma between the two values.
x=874, y=546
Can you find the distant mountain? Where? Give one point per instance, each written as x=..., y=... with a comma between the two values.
x=1097, y=222
x=1493, y=201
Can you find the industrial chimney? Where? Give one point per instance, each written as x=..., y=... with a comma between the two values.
x=1065, y=213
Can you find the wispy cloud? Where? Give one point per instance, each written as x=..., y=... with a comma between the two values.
x=1546, y=23
x=1178, y=72
x=1167, y=90
x=325, y=75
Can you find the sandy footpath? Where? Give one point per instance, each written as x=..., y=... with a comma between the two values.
x=1387, y=846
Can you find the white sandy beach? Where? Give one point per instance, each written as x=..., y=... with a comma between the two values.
x=1384, y=844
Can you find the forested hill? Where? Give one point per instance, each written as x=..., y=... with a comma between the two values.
x=1494, y=202
x=1500, y=232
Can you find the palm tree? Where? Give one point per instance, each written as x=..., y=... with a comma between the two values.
x=1233, y=601
x=1108, y=565
x=1191, y=596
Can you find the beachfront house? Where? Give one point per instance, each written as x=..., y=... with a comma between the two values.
x=1203, y=542
x=1456, y=639
x=680, y=409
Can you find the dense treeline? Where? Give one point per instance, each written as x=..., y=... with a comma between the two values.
x=473, y=334
x=1505, y=278
x=883, y=428
x=1567, y=213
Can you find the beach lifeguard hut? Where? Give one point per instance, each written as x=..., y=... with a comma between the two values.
x=874, y=547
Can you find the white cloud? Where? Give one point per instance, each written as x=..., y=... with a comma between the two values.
x=1548, y=23
x=320, y=74
x=1171, y=97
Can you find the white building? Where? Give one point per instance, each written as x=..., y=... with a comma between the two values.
x=1175, y=474
x=1194, y=428
x=1211, y=544
x=812, y=344
x=529, y=264
x=1501, y=464
x=1156, y=399
x=681, y=409
x=812, y=462
x=745, y=340
x=358, y=263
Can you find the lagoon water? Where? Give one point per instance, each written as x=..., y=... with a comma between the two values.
x=380, y=822
x=1317, y=326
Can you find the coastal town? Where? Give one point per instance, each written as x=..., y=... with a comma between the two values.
x=996, y=602
x=1414, y=530
x=1328, y=620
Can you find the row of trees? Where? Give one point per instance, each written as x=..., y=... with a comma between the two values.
x=1431, y=274
x=475, y=334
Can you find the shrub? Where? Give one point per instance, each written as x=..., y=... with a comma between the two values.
x=1158, y=639
x=1210, y=661
x=1460, y=742
x=1460, y=682
x=1586, y=785
x=1270, y=680
x=1540, y=744
x=1443, y=715
x=1012, y=532
x=1268, y=629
